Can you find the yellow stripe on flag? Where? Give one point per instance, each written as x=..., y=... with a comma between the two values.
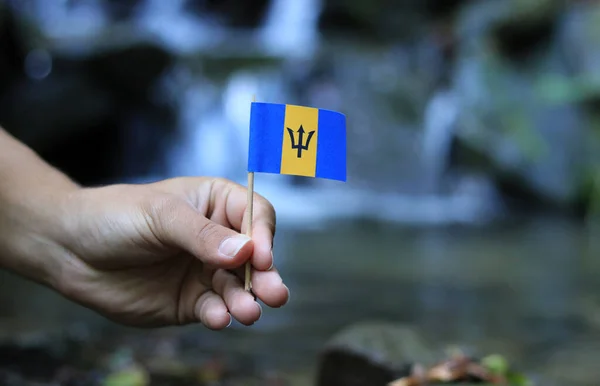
x=300, y=135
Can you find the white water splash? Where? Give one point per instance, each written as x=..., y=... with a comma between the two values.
x=438, y=130
x=65, y=19
x=290, y=28
x=178, y=30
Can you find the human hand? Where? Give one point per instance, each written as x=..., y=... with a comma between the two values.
x=168, y=253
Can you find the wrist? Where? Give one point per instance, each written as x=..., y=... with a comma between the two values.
x=30, y=235
x=33, y=202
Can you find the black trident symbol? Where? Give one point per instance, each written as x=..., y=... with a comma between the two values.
x=300, y=146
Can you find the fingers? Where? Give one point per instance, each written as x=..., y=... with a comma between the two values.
x=269, y=288
x=177, y=223
x=214, y=298
x=240, y=303
x=211, y=311
x=262, y=237
x=230, y=201
x=228, y=299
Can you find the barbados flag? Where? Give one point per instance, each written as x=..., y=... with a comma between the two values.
x=297, y=140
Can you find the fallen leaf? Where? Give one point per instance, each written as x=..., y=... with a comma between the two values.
x=496, y=364
x=133, y=376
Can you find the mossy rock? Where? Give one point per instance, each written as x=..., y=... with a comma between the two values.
x=371, y=354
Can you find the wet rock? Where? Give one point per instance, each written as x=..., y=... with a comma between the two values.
x=510, y=118
x=92, y=107
x=371, y=354
x=441, y=9
x=377, y=20
x=383, y=20
x=528, y=28
x=233, y=13
x=43, y=356
x=64, y=104
x=37, y=363
x=131, y=70
x=574, y=364
x=11, y=48
x=121, y=9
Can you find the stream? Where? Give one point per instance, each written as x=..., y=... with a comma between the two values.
x=527, y=289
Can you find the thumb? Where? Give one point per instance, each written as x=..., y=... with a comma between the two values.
x=181, y=225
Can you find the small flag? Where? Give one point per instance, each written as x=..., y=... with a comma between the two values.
x=297, y=140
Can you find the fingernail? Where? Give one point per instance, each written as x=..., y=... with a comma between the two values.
x=288, y=298
x=259, y=309
x=272, y=261
x=230, y=321
x=232, y=245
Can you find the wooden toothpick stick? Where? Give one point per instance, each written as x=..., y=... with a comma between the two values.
x=249, y=214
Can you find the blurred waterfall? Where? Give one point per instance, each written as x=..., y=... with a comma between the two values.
x=290, y=28
x=438, y=130
x=213, y=106
x=65, y=18
x=180, y=31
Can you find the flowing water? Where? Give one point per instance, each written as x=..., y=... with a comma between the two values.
x=527, y=289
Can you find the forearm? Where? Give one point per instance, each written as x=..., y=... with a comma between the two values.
x=32, y=195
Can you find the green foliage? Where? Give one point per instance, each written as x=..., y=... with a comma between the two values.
x=558, y=89
x=498, y=365
x=127, y=377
